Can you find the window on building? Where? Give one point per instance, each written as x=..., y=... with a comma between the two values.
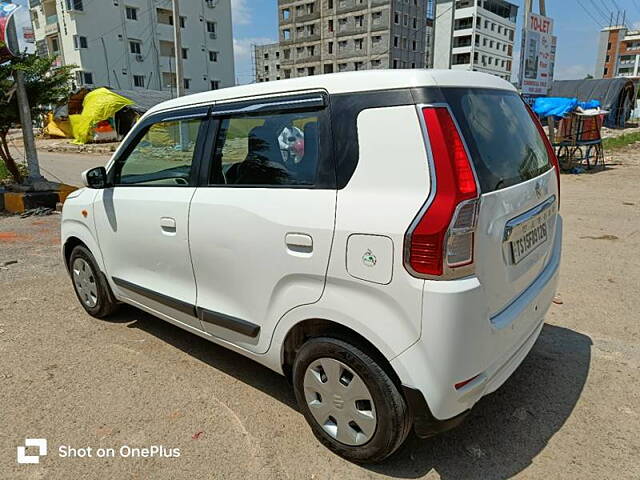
x=185, y=53
x=131, y=13
x=330, y=48
x=330, y=26
x=215, y=84
x=80, y=42
x=376, y=18
x=213, y=56
x=342, y=67
x=138, y=81
x=359, y=43
x=359, y=19
x=211, y=27
x=183, y=22
x=84, y=78
x=376, y=63
x=75, y=5
x=396, y=18
x=415, y=22
x=358, y=65
x=328, y=68
x=286, y=13
x=135, y=47
x=396, y=41
x=286, y=34
x=187, y=83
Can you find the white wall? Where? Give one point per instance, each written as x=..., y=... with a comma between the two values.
x=103, y=21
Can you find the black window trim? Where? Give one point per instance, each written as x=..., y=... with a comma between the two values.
x=299, y=102
x=130, y=143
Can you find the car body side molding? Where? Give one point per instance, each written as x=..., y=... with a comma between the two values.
x=230, y=323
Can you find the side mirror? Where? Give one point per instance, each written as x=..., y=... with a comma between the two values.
x=95, y=178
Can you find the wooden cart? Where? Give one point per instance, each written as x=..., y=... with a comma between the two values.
x=578, y=141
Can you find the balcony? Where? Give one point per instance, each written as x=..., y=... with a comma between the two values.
x=34, y=3
x=52, y=27
x=351, y=31
x=308, y=17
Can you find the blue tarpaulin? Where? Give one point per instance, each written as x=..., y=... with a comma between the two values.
x=560, y=107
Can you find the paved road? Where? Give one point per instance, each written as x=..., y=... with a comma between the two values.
x=571, y=411
x=64, y=167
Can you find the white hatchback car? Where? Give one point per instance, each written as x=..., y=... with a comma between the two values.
x=388, y=240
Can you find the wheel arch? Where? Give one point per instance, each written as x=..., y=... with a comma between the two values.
x=76, y=233
x=304, y=330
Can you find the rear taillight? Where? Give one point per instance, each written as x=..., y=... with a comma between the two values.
x=442, y=238
x=550, y=151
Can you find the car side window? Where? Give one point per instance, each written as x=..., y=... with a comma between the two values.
x=162, y=157
x=273, y=149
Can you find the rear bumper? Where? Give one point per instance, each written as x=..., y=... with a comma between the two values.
x=456, y=345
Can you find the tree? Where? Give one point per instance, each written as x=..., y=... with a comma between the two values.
x=46, y=85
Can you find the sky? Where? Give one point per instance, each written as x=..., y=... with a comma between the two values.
x=576, y=24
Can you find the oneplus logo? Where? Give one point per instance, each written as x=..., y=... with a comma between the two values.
x=41, y=443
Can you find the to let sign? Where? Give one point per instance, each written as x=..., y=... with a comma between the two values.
x=537, y=59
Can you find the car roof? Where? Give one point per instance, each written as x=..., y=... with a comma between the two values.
x=345, y=82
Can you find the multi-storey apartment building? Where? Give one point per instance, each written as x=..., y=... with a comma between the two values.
x=267, y=60
x=129, y=44
x=475, y=35
x=618, y=53
x=326, y=36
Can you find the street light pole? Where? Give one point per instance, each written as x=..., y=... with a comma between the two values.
x=177, y=38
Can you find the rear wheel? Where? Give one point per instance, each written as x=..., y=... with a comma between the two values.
x=352, y=405
x=90, y=285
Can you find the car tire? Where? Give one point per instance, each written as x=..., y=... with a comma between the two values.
x=343, y=403
x=90, y=284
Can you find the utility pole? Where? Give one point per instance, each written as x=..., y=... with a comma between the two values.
x=26, y=121
x=177, y=39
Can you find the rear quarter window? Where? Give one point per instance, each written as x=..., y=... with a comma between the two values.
x=503, y=141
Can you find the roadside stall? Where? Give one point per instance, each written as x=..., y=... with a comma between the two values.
x=577, y=138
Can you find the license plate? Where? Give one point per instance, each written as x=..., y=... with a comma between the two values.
x=529, y=235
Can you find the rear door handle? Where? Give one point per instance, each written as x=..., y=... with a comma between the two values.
x=168, y=225
x=299, y=242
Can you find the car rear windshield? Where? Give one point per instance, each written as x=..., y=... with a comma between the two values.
x=503, y=141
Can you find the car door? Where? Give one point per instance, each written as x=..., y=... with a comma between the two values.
x=142, y=218
x=261, y=227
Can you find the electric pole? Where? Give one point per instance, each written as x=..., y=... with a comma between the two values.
x=26, y=121
x=177, y=39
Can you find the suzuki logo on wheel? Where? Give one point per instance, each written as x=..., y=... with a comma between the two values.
x=338, y=402
x=41, y=443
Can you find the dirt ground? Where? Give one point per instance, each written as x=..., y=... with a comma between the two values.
x=571, y=411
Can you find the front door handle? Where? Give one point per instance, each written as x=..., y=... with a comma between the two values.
x=299, y=242
x=168, y=225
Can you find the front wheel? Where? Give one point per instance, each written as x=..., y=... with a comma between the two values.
x=352, y=405
x=90, y=285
